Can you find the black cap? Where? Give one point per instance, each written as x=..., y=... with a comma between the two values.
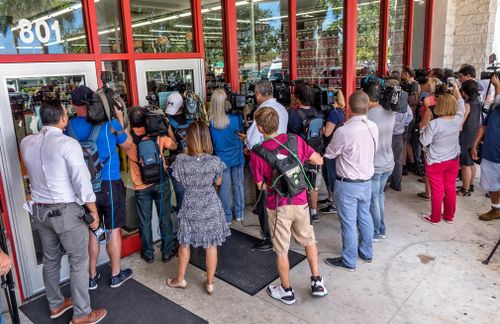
x=79, y=95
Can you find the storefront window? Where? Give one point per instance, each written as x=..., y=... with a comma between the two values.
x=262, y=40
x=396, y=34
x=119, y=74
x=109, y=23
x=319, y=42
x=418, y=34
x=214, y=48
x=161, y=83
x=162, y=27
x=367, y=38
x=42, y=27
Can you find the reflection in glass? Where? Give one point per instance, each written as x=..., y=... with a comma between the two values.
x=42, y=27
x=418, y=34
x=319, y=42
x=120, y=77
x=162, y=27
x=26, y=96
x=367, y=38
x=262, y=40
x=109, y=23
x=214, y=48
x=396, y=34
x=161, y=83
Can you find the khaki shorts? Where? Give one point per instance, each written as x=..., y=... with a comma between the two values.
x=293, y=220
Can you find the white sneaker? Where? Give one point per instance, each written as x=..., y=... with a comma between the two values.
x=318, y=288
x=277, y=292
x=383, y=237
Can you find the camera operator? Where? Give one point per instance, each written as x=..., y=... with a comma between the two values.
x=401, y=122
x=60, y=184
x=264, y=97
x=179, y=122
x=489, y=132
x=299, y=123
x=224, y=130
x=468, y=72
x=111, y=199
x=146, y=194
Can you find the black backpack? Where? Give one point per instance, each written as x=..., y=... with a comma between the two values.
x=150, y=160
x=289, y=178
x=100, y=106
x=156, y=121
x=312, y=126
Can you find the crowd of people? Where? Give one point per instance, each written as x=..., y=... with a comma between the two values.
x=356, y=151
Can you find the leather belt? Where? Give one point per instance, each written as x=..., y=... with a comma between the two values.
x=50, y=205
x=351, y=180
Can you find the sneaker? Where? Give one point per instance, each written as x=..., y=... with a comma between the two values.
x=318, y=287
x=376, y=239
x=277, y=292
x=325, y=202
x=167, y=257
x=330, y=209
x=365, y=259
x=264, y=246
x=493, y=214
x=427, y=219
x=424, y=196
x=147, y=258
x=337, y=262
x=95, y=316
x=449, y=221
x=66, y=305
x=93, y=281
x=315, y=218
x=239, y=219
x=120, y=278
x=382, y=236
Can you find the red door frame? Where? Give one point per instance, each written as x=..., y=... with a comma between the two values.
x=349, y=46
x=383, y=44
x=429, y=15
x=408, y=36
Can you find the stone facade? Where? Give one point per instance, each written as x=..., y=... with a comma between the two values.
x=464, y=32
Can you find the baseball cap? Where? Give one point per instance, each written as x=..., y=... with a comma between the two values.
x=174, y=103
x=80, y=94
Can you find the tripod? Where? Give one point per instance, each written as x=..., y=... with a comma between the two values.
x=8, y=284
x=491, y=254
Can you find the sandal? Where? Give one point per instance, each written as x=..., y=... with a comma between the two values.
x=463, y=192
x=424, y=196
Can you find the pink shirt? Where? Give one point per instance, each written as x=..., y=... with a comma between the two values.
x=262, y=171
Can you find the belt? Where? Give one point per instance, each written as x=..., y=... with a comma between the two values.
x=50, y=205
x=351, y=180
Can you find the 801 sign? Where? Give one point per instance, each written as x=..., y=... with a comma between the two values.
x=40, y=29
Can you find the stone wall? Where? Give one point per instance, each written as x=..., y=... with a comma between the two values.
x=463, y=32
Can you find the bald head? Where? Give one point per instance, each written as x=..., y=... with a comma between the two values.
x=358, y=102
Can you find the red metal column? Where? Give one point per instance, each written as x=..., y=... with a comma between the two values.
x=129, y=49
x=408, y=40
x=292, y=38
x=93, y=41
x=383, y=37
x=429, y=14
x=230, y=34
x=349, y=46
x=198, y=27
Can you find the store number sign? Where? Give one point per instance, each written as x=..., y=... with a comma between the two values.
x=40, y=30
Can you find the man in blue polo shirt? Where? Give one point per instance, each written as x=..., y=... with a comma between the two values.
x=110, y=200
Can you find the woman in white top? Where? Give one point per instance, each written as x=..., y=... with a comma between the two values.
x=440, y=138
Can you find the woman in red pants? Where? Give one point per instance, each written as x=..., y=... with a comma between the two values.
x=440, y=139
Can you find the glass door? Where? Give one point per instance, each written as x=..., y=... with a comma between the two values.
x=156, y=79
x=23, y=88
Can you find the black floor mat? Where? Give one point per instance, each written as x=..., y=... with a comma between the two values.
x=240, y=266
x=130, y=303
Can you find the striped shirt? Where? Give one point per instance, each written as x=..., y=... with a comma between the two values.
x=354, y=146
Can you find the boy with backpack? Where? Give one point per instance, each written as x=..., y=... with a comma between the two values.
x=102, y=138
x=151, y=135
x=308, y=122
x=277, y=167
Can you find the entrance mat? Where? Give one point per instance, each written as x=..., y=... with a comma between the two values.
x=240, y=266
x=130, y=303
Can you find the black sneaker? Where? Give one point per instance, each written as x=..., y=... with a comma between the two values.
x=167, y=257
x=325, y=202
x=337, y=262
x=93, y=281
x=264, y=246
x=147, y=259
x=285, y=296
x=120, y=278
x=315, y=218
x=330, y=209
x=318, y=287
x=367, y=260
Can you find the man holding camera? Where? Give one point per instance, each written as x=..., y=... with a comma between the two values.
x=60, y=184
x=110, y=200
x=264, y=97
x=490, y=151
x=384, y=157
x=146, y=194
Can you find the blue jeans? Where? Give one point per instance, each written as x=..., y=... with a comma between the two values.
x=353, y=207
x=144, y=200
x=377, y=202
x=232, y=186
x=331, y=173
x=179, y=192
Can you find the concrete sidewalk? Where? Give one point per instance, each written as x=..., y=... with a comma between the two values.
x=420, y=274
